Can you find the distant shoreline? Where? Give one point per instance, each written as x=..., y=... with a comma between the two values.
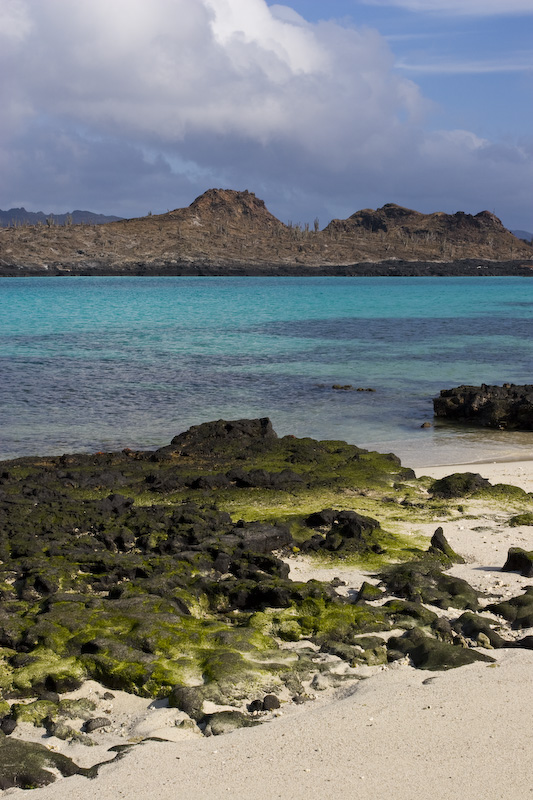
x=391, y=268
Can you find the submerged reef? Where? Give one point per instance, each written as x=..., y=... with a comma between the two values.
x=166, y=574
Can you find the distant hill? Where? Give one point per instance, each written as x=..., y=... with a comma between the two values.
x=225, y=230
x=526, y=235
x=19, y=216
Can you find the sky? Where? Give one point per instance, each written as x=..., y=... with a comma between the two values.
x=320, y=107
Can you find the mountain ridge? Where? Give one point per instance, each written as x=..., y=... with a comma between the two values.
x=226, y=229
x=14, y=217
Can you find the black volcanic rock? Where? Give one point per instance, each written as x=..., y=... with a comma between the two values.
x=221, y=435
x=504, y=407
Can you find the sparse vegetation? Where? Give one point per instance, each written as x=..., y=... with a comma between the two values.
x=228, y=230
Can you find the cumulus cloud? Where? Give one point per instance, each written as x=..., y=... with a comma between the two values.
x=126, y=106
x=183, y=67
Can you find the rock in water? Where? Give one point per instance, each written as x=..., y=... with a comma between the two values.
x=504, y=407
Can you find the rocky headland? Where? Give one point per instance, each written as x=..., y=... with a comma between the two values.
x=225, y=232
x=168, y=575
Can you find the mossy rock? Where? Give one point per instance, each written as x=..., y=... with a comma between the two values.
x=521, y=519
x=189, y=699
x=408, y=614
x=35, y=712
x=423, y=581
x=432, y=654
x=29, y=766
x=347, y=652
x=222, y=722
x=371, y=656
x=289, y=630
x=7, y=591
x=218, y=665
x=145, y=594
x=66, y=733
x=81, y=708
x=459, y=484
x=518, y=610
x=48, y=671
x=6, y=670
x=502, y=492
x=128, y=676
x=440, y=547
x=472, y=625
x=519, y=560
x=369, y=592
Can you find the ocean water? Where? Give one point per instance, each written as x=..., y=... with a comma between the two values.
x=92, y=364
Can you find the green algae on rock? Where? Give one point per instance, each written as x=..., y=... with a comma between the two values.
x=432, y=654
x=423, y=581
x=166, y=574
x=30, y=765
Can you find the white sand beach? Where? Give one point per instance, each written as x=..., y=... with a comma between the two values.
x=402, y=733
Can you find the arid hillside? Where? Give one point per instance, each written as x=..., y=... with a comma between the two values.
x=225, y=228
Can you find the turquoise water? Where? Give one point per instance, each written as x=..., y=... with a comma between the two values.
x=103, y=363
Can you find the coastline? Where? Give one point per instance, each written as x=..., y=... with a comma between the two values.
x=402, y=733
x=392, y=268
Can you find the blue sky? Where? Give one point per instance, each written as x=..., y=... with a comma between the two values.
x=477, y=68
x=322, y=108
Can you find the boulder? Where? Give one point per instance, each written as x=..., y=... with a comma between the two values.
x=424, y=582
x=506, y=407
x=270, y=702
x=222, y=722
x=475, y=626
x=517, y=610
x=259, y=537
x=29, y=765
x=519, y=560
x=221, y=435
x=459, y=484
x=348, y=530
x=95, y=723
x=439, y=545
x=428, y=653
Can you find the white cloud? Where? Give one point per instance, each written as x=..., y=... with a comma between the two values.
x=230, y=67
x=15, y=22
x=240, y=25
x=481, y=8
x=223, y=92
x=520, y=62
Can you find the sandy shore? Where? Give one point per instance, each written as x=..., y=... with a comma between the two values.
x=400, y=734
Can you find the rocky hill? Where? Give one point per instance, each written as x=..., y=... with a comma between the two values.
x=225, y=231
